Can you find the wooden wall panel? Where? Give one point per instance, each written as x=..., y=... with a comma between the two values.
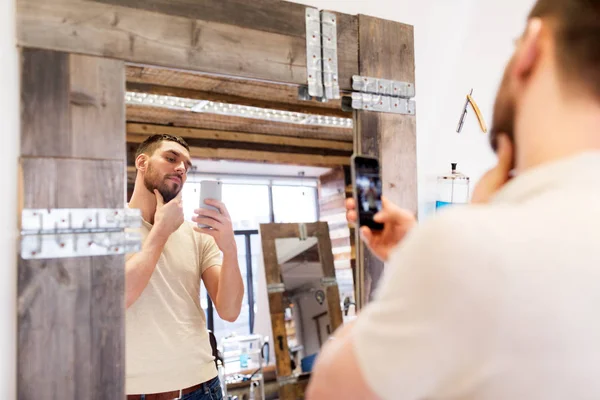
x=70, y=310
x=386, y=50
x=259, y=39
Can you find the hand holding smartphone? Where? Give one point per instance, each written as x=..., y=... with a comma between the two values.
x=209, y=190
x=366, y=182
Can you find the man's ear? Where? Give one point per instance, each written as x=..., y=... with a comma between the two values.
x=141, y=162
x=528, y=53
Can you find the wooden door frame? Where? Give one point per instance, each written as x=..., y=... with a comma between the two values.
x=228, y=37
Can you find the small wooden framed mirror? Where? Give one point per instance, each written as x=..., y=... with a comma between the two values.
x=304, y=299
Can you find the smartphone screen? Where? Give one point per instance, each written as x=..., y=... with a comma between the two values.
x=367, y=190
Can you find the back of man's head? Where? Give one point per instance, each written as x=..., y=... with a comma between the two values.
x=576, y=29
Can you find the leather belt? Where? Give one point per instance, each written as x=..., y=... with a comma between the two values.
x=175, y=394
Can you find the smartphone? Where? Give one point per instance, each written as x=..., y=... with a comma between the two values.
x=366, y=182
x=209, y=190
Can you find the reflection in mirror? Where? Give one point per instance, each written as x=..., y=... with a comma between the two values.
x=306, y=315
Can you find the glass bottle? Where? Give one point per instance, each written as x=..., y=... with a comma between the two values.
x=452, y=189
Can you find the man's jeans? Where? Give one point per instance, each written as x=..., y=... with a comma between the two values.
x=210, y=390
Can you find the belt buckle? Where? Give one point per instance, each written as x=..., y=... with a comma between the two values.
x=180, y=395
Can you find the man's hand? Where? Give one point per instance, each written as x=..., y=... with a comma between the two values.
x=396, y=223
x=168, y=217
x=220, y=222
x=498, y=176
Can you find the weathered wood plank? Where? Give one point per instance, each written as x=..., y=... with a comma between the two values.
x=45, y=112
x=347, y=39
x=274, y=16
x=65, y=350
x=144, y=130
x=386, y=50
x=244, y=91
x=56, y=344
x=97, y=107
x=165, y=116
x=108, y=326
x=186, y=42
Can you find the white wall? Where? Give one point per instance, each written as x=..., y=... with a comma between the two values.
x=459, y=45
x=9, y=151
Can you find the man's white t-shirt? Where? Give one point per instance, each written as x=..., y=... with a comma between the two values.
x=495, y=302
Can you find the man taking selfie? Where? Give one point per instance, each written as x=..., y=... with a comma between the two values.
x=168, y=353
x=497, y=300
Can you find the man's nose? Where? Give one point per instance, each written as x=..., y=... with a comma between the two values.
x=180, y=168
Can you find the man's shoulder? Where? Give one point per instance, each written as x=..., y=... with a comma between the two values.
x=464, y=234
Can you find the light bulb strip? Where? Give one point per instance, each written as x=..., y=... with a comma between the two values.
x=236, y=110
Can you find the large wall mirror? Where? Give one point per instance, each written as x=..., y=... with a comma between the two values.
x=304, y=298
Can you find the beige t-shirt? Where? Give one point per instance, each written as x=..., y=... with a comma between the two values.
x=167, y=343
x=497, y=301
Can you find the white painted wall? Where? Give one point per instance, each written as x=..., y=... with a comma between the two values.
x=9, y=151
x=459, y=45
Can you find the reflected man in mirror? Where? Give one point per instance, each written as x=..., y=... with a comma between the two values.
x=168, y=352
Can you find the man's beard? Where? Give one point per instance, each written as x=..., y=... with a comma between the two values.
x=504, y=112
x=152, y=180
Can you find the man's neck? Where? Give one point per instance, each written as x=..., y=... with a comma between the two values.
x=143, y=200
x=570, y=129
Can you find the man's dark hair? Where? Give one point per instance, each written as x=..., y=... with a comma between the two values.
x=577, y=36
x=150, y=145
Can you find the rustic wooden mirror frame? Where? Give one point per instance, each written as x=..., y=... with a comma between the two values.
x=71, y=312
x=290, y=387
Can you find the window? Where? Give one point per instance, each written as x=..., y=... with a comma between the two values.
x=252, y=201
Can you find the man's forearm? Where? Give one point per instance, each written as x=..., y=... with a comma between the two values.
x=139, y=268
x=231, y=288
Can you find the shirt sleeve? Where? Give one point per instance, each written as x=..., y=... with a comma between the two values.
x=429, y=314
x=210, y=254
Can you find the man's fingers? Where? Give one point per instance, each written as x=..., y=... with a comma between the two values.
x=217, y=204
x=350, y=204
x=351, y=216
x=159, y=199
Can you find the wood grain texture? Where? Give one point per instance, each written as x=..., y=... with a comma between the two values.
x=347, y=39
x=386, y=50
x=193, y=42
x=97, y=107
x=70, y=311
x=107, y=319
x=82, y=26
x=45, y=111
x=58, y=342
x=226, y=87
x=165, y=116
x=274, y=16
x=145, y=130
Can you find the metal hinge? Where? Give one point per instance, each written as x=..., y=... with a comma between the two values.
x=275, y=288
x=287, y=380
x=79, y=232
x=383, y=95
x=321, y=55
x=328, y=281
